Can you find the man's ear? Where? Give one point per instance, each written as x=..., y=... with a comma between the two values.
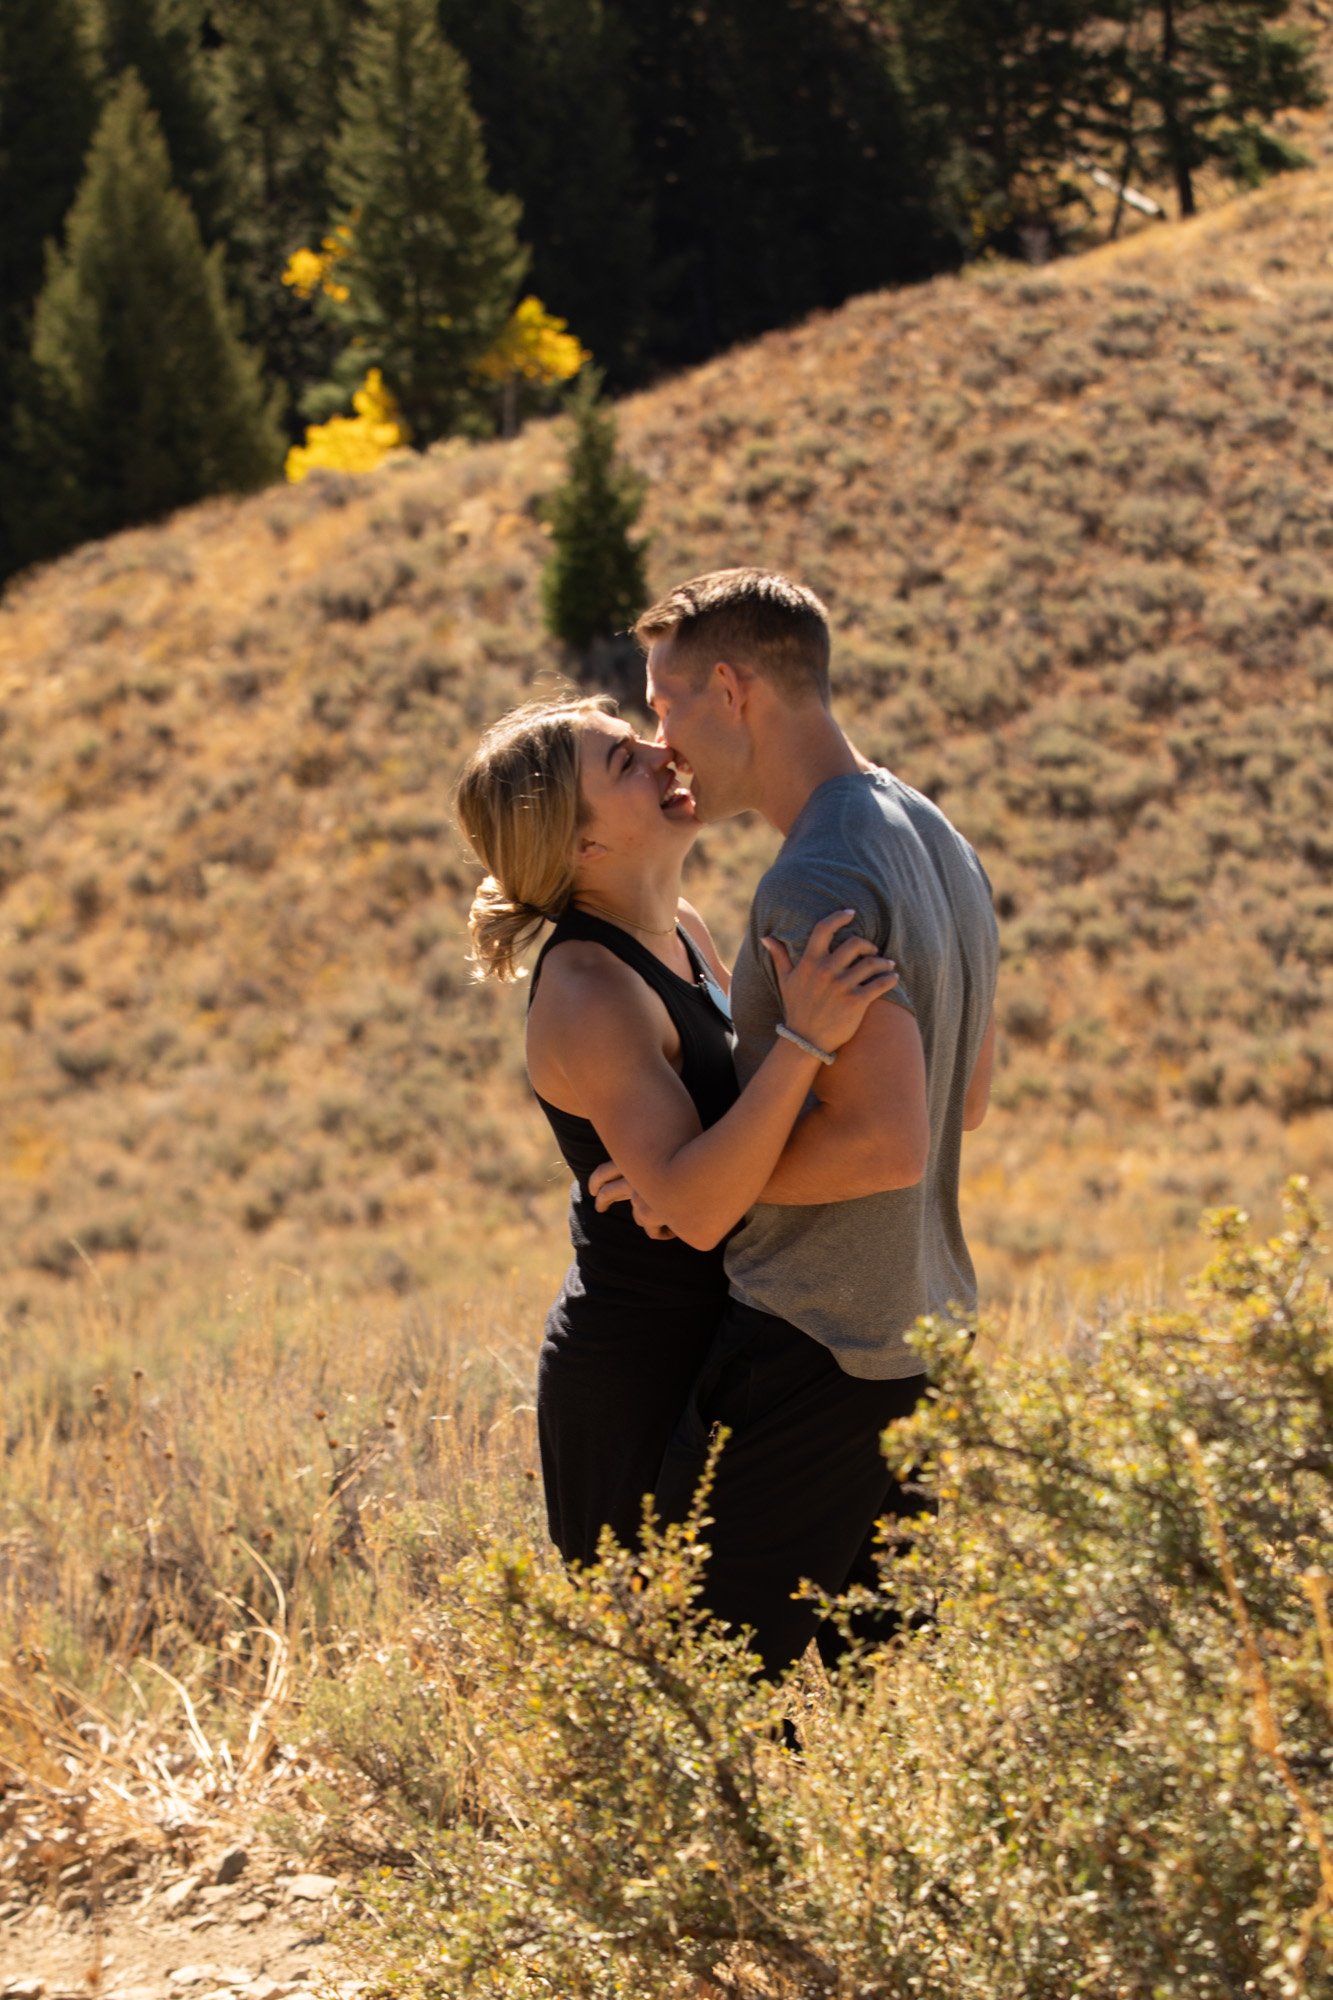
x=732, y=684
x=588, y=849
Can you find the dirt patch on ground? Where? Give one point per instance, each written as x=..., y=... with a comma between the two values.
x=248, y=1927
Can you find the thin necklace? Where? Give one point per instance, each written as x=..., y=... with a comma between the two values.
x=625, y=923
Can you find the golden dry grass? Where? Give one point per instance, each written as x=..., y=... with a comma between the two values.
x=199, y=1516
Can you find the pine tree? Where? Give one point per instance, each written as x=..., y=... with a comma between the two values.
x=1006, y=96
x=435, y=260
x=148, y=400
x=594, y=584
x=162, y=40
x=570, y=158
x=1202, y=80
x=277, y=73
x=48, y=109
x=773, y=138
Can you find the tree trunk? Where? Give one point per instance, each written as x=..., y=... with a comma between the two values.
x=1175, y=137
x=1126, y=169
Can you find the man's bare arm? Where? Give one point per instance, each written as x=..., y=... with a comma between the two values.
x=977, y=1101
x=869, y=1129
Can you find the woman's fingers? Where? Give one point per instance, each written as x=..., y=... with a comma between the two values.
x=819, y=947
x=831, y=957
x=867, y=969
x=850, y=949
x=824, y=932
x=651, y=1224
x=607, y=1185
x=827, y=990
x=856, y=960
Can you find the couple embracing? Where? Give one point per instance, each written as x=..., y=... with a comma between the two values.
x=766, y=1164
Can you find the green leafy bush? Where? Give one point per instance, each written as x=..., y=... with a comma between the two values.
x=1098, y=1763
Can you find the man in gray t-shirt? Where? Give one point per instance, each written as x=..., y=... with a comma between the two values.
x=857, y=1274
x=858, y=1229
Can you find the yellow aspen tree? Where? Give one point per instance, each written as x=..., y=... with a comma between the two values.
x=535, y=346
x=352, y=444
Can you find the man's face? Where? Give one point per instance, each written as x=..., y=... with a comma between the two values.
x=701, y=730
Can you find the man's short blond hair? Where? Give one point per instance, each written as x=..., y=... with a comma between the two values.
x=751, y=617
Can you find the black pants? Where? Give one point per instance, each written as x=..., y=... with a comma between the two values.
x=801, y=1483
x=611, y=1379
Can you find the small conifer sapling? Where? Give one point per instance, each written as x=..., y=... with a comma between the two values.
x=594, y=584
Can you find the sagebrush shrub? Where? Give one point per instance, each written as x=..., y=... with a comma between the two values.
x=1098, y=1763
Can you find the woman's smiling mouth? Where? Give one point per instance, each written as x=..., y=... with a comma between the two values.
x=676, y=793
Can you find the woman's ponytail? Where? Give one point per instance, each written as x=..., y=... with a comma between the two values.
x=500, y=930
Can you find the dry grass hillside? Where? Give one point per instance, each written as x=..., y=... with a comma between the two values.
x=1075, y=528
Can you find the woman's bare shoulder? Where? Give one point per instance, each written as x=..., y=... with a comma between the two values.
x=590, y=1009
x=584, y=983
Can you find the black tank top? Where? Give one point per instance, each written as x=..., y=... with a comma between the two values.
x=612, y=1254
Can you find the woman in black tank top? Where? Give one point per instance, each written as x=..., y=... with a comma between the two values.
x=584, y=825
x=629, y=1331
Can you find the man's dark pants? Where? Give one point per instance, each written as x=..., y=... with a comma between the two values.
x=801, y=1483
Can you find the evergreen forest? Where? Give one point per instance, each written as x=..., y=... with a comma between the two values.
x=221, y=222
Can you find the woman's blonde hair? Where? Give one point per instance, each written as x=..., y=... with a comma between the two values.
x=519, y=807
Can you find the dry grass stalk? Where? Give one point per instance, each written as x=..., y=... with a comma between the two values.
x=1315, y=1584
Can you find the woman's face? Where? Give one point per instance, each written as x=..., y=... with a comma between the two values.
x=635, y=804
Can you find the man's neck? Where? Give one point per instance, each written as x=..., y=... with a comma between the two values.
x=796, y=757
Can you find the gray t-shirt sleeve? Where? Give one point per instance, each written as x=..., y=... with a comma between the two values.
x=790, y=903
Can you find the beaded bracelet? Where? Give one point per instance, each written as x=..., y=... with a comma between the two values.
x=811, y=1048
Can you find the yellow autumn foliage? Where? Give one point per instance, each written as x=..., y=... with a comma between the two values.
x=310, y=271
x=535, y=346
x=352, y=444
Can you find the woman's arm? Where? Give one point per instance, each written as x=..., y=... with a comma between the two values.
x=608, y=1028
